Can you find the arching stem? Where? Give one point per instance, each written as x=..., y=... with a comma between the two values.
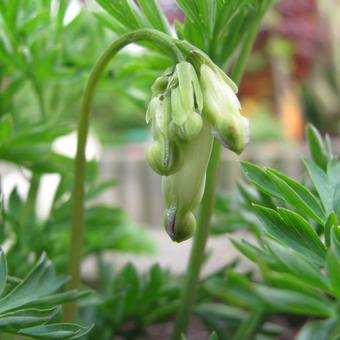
x=77, y=233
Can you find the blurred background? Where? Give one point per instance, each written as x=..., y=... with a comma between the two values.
x=292, y=77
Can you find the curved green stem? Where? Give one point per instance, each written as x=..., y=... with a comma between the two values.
x=206, y=209
x=160, y=39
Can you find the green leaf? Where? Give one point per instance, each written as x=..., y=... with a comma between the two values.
x=319, y=330
x=12, y=321
x=317, y=148
x=300, y=236
x=321, y=184
x=252, y=252
x=207, y=13
x=283, y=300
x=125, y=12
x=274, y=183
x=39, y=134
x=299, y=266
x=220, y=310
x=3, y=271
x=237, y=290
x=331, y=223
x=333, y=262
x=190, y=10
x=59, y=298
x=303, y=230
x=41, y=281
x=155, y=15
x=56, y=331
x=298, y=196
x=333, y=265
x=336, y=200
x=260, y=179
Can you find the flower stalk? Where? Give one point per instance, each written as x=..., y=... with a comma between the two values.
x=77, y=231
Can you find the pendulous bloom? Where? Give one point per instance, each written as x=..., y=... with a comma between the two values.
x=222, y=109
x=189, y=106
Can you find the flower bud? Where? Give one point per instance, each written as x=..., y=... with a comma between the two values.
x=179, y=228
x=222, y=109
x=164, y=157
x=160, y=84
x=184, y=189
x=186, y=104
x=188, y=130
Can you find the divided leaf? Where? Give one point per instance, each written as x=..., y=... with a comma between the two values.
x=293, y=231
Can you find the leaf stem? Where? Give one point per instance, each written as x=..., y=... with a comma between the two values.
x=77, y=233
x=206, y=208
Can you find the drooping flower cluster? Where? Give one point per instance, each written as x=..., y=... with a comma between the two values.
x=187, y=109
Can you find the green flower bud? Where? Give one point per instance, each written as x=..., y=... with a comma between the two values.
x=164, y=157
x=160, y=84
x=188, y=130
x=186, y=104
x=184, y=189
x=179, y=228
x=222, y=109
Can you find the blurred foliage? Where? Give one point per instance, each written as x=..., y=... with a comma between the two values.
x=322, y=87
x=130, y=301
x=108, y=227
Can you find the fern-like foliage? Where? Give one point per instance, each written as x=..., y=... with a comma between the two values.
x=298, y=248
x=30, y=306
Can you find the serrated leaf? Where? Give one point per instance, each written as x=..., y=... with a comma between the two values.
x=39, y=282
x=257, y=176
x=299, y=197
x=306, y=231
x=299, y=266
x=299, y=237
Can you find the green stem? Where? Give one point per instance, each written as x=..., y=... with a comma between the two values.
x=206, y=209
x=250, y=326
x=77, y=232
